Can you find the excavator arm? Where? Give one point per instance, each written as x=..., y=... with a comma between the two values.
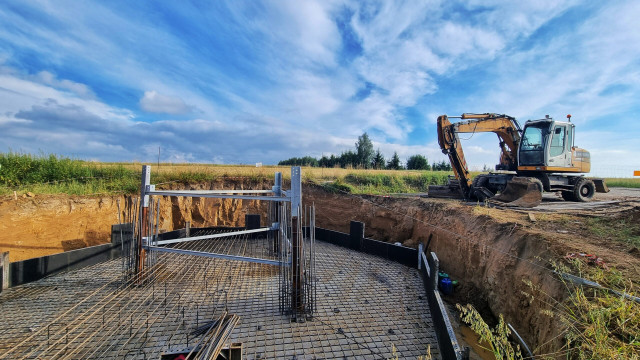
x=506, y=127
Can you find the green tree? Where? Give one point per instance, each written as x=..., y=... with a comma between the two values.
x=378, y=160
x=394, y=163
x=348, y=159
x=441, y=166
x=364, y=151
x=418, y=162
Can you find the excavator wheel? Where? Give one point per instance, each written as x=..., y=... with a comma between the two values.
x=584, y=190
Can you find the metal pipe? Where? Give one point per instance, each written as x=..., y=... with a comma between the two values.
x=217, y=196
x=214, y=255
x=212, y=236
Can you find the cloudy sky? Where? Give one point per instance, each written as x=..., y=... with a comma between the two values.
x=245, y=81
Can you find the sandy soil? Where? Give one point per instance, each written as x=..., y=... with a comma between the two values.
x=44, y=225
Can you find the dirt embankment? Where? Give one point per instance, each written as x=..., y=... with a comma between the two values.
x=49, y=224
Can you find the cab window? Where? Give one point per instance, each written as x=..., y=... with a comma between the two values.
x=558, y=140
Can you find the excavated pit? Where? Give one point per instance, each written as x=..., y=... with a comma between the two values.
x=491, y=259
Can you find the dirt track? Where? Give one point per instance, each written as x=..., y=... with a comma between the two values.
x=617, y=200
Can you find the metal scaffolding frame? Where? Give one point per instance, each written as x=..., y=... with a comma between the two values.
x=287, y=217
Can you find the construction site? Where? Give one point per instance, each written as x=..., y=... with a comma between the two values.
x=221, y=292
x=228, y=270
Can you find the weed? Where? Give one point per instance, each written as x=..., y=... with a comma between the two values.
x=497, y=338
x=598, y=324
x=55, y=174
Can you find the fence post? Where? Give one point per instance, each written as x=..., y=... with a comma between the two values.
x=275, y=211
x=143, y=221
x=435, y=268
x=4, y=268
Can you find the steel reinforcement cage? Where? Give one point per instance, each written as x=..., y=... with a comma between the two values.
x=293, y=255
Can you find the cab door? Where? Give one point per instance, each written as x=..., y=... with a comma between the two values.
x=559, y=148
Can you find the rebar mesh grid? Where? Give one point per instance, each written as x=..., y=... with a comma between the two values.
x=365, y=305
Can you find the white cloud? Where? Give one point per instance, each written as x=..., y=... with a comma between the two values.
x=154, y=102
x=21, y=93
x=79, y=89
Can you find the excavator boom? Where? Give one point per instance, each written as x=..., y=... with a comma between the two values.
x=506, y=127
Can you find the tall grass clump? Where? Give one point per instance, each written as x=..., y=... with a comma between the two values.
x=497, y=338
x=599, y=323
x=57, y=174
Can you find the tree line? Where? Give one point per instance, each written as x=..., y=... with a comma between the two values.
x=364, y=157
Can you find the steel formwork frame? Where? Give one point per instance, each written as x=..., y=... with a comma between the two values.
x=297, y=289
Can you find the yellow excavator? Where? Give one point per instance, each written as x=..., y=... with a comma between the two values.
x=541, y=157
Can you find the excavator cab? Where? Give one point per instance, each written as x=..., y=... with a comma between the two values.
x=547, y=146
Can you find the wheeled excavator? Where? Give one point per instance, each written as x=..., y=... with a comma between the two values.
x=539, y=157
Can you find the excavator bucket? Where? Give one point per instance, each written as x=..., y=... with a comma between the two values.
x=521, y=192
x=601, y=186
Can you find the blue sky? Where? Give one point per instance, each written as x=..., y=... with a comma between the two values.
x=245, y=82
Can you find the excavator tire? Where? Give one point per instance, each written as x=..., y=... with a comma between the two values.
x=521, y=192
x=584, y=190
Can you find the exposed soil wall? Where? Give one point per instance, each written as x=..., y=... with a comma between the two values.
x=45, y=225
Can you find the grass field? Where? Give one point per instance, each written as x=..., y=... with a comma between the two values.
x=51, y=174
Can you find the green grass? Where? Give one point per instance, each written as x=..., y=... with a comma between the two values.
x=371, y=183
x=623, y=182
x=56, y=174
x=51, y=174
x=624, y=230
